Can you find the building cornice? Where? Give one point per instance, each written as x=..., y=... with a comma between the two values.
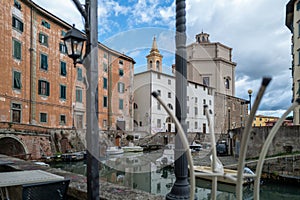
x=66, y=25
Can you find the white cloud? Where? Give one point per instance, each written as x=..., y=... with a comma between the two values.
x=255, y=30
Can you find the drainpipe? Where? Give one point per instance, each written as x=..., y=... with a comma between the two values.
x=32, y=107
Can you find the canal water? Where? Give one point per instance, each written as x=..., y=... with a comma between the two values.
x=141, y=171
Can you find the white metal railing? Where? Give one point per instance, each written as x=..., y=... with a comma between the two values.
x=215, y=172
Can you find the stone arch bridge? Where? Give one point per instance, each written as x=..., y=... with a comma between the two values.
x=34, y=142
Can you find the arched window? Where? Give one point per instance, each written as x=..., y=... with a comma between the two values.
x=170, y=106
x=135, y=106
x=227, y=83
x=150, y=64
x=157, y=65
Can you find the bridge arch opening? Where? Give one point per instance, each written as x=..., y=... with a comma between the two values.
x=12, y=146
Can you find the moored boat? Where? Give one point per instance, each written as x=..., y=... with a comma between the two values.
x=206, y=172
x=114, y=150
x=133, y=149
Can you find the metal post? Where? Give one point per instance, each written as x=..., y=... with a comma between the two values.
x=91, y=64
x=180, y=189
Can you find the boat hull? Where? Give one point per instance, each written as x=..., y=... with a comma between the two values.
x=207, y=170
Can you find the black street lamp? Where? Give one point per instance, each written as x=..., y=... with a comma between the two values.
x=74, y=41
x=250, y=93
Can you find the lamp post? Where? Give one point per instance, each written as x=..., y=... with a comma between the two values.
x=180, y=189
x=250, y=93
x=74, y=43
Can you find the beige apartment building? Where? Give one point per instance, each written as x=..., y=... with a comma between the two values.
x=38, y=82
x=210, y=64
x=293, y=23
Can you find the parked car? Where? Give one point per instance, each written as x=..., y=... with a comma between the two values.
x=222, y=149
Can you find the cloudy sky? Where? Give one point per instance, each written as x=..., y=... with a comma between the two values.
x=255, y=29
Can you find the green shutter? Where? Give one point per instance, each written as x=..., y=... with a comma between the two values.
x=39, y=87
x=63, y=68
x=17, y=80
x=17, y=49
x=79, y=74
x=47, y=88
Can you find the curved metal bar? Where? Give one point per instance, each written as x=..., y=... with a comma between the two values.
x=214, y=155
x=184, y=143
x=246, y=137
x=266, y=147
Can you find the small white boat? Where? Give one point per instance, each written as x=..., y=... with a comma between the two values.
x=167, y=159
x=132, y=148
x=114, y=150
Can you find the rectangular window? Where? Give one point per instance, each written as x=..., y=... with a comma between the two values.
x=187, y=98
x=79, y=95
x=45, y=24
x=104, y=67
x=44, y=88
x=298, y=57
x=121, y=102
x=206, y=81
x=79, y=74
x=63, y=33
x=196, y=125
x=17, y=49
x=43, y=39
x=104, y=123
x=204, y=127
x=43, y=117
x=104, y=83
x=44, y=62
x=195, y=86
x=187, y=109
x=121, y=72
x=158, y=123
x=158, y=106
x=17, y=80
x=121, y=62
x=62, y=48
x=105, y=101
x=188, y=124
x=63, y=92
x=196, y=111
x=203, y=110
x=121, y=87
x=16, y=110
x=17, y=24
x=298, y=29
x=196, y=100
x=17, y=4
x=63, y=68
x=62, y=119
x=79, y=121
x=169, y=95
x=105, y=55
x=169, y=81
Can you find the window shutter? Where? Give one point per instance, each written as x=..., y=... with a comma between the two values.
x=47, y=88
x=40, y=38
x=39, y=87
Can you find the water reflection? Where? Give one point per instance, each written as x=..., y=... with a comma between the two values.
x=139, y=171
